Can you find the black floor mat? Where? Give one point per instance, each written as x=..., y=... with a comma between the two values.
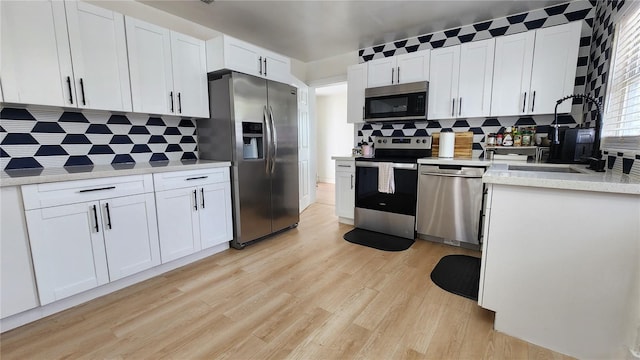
x=458, y=274
x=378, y=240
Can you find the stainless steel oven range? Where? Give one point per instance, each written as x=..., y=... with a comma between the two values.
x=390, y=209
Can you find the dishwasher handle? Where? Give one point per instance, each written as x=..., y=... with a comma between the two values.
x=462, y=175
x=452, y=170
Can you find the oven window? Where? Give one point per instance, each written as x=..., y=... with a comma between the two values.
x=403, y=201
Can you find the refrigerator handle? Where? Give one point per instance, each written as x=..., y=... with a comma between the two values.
x=267, y=127
x=275, y=140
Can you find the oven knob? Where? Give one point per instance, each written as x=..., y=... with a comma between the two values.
x=384, y=141
x=379, y=141
x=424, y=141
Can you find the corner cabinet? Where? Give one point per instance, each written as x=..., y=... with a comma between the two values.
x=194, y=211
x=534, y=69
x=86, y=233
x=69, y=54
x=345, y=190
x=226, y=52
x=356, y=83
x=168, y=71
x=399, y=69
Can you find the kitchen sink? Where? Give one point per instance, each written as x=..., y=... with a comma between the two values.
x=559, y=169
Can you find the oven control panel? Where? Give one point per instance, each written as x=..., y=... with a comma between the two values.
x=396, y=142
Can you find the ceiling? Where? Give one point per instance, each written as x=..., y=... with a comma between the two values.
x=310, y=30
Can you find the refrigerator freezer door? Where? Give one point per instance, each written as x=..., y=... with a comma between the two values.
x=252, y=197
x=284, y=178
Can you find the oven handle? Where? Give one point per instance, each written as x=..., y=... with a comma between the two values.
x=372, y=164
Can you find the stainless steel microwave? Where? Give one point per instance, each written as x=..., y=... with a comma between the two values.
x=401, y=102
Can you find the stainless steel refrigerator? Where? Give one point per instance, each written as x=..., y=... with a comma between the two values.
x=254, y=125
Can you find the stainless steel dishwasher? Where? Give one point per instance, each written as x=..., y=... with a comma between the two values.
x=450, y=204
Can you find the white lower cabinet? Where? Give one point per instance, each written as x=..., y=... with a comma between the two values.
x=79, y=245
x=345, y=190
x=194, y=211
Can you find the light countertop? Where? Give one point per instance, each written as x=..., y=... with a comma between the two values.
x=345, y=158
x=39, y=176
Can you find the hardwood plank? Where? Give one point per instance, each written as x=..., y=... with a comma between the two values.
x=303, y=294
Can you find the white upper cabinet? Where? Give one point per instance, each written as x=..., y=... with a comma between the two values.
x=168, y=71
x=534, y=69
x=226, y=52
x=44, y=64
x=99, y=53
x=476, y=77
x=554, y=67
x=399, y=69
x=443, y=85
x=36, y=61
x=356, y=83
x=461, y=77
x=189, y=75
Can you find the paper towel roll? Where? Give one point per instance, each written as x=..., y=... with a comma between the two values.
x=447, y=144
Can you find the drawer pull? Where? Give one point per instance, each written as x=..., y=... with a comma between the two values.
x=98, y=189
x=196, y=178
x=347, y=166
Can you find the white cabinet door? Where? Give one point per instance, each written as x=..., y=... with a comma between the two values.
x=214, y=213
x=149, y=48
x=178, y=223
x=240, y=56
x=356, y=83
x=99, y=52
x=476, y=78
x=277, y=68
x=17, y=281
x=413, y=67
x=130, y=234
x=381, y=72
x=345, y=189
x=36, y=61
x=554, y=67
x=443, y=84
x=67, y=249
x=189, y=76
x=512, y=73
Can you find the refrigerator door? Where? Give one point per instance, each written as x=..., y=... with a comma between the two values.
x=252, y=180
x=284, y=167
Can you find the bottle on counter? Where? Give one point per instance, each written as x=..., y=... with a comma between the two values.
x=517, y=137
x=527, y=138
x=491, y=139
x=499, y=139
x=508, y=138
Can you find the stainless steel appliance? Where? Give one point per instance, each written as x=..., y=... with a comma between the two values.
x=390, y=213
x=401, y=102
x=253, y=124
x=450, y=204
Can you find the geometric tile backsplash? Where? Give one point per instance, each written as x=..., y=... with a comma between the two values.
x=40, y=137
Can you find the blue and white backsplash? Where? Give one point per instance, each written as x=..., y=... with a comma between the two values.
x=41, y=137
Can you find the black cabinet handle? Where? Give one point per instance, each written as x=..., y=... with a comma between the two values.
x=84, y=102
x=533, y=101
x=265, y=66
x=197, y=178
x=392, y=71
x=171, y=97
x=95, y=217
x=98, y=189
x=70, y=91
x=351, y=181
x=179, y=103
x=202, y=193
x=453, y=107
x=398, y=75
x=106, y=206
x=195, y=200
x=524, y=102
x=260, y=64
x=460, y=107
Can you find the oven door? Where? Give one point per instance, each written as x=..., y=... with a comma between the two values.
x=402, y=201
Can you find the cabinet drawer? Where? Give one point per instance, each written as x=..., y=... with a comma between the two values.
x=345, y=166
x=189, y=178
x=70, y=192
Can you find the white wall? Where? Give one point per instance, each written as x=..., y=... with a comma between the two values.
x=334, y=134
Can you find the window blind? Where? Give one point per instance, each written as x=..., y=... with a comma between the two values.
x=621, y=121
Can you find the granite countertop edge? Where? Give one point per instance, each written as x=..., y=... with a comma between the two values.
x=48, y=175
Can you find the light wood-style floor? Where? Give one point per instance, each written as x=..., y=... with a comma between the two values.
x=305, y=294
